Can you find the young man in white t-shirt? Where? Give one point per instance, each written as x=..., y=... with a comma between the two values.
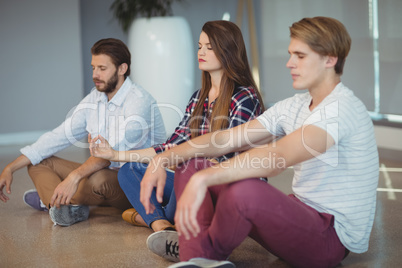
x=326, y=134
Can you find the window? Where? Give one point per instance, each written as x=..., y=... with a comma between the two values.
x=373, y=69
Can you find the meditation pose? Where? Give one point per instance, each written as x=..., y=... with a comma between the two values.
x=116, y=108
x=228, y=97
x=325, y=134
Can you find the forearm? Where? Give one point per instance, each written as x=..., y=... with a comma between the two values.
x=270, y=160
x=255, y=163
x=198, y=147
x=218, y=143
x=90, y=166
x=143, y=155
x=18, y=163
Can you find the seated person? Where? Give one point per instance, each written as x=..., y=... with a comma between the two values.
x=228, y=97
x=326, y=134
x=67, y=188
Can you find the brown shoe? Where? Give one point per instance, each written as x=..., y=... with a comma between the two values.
x=129, y=216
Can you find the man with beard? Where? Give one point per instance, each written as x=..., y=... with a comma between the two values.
x=116, y=108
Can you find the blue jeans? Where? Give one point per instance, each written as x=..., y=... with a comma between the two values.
x=130, y=176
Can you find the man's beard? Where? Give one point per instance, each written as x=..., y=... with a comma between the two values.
x=110, y=85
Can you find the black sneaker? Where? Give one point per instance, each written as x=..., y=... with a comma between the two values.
x=68, y=214
x=165, y=244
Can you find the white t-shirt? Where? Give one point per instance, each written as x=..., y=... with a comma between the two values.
x=342, y=181
x=130, y=120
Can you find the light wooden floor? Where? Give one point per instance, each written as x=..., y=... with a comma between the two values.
x=29, y=239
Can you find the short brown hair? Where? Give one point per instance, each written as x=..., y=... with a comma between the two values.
x=116, y=50
x=326, y=36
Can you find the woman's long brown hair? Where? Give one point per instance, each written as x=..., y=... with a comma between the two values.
x=227, y=42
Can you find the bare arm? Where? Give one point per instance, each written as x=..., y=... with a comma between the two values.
x=248, y=135
x=99, y=147
x=265, y=161
x=6, y=177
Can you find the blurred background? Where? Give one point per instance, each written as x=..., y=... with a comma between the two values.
x=45, y=59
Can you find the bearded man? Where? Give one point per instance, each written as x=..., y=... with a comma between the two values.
x=115, y=108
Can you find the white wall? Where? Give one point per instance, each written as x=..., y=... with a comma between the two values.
x=40, y=65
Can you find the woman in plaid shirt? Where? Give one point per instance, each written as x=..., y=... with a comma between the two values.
x=228, y=97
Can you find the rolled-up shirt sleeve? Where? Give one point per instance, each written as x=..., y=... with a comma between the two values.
x=66, y=134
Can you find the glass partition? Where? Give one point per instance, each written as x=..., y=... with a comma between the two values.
x=373, y=69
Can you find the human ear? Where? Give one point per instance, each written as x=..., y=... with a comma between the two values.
x=331, y=61
x=123, y=68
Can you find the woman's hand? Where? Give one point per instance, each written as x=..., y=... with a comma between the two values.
x=99, y=147
x=154, y=177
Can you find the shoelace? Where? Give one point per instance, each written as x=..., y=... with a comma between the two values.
x=172, y=249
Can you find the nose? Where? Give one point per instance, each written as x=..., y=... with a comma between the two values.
x=201, y=51
x=95, y=73
x=290, y=64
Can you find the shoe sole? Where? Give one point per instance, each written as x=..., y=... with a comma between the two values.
x=190, y=264
x=165, y=244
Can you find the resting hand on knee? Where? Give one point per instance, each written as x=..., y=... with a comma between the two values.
x=154, y=177
x=188, y=206
x=64, y=192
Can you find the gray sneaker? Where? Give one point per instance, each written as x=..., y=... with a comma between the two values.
x=203, y=263
x=165, y=244
x=69, y=214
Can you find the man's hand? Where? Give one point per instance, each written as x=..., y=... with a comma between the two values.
x=188, y=205
x=155, y=176
x=99, y=147
x=68, y=187
x=64, y=192
x=6, y=178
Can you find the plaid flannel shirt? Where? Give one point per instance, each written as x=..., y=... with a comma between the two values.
x=244, y=107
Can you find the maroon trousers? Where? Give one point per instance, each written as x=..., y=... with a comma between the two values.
x=282, y=224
